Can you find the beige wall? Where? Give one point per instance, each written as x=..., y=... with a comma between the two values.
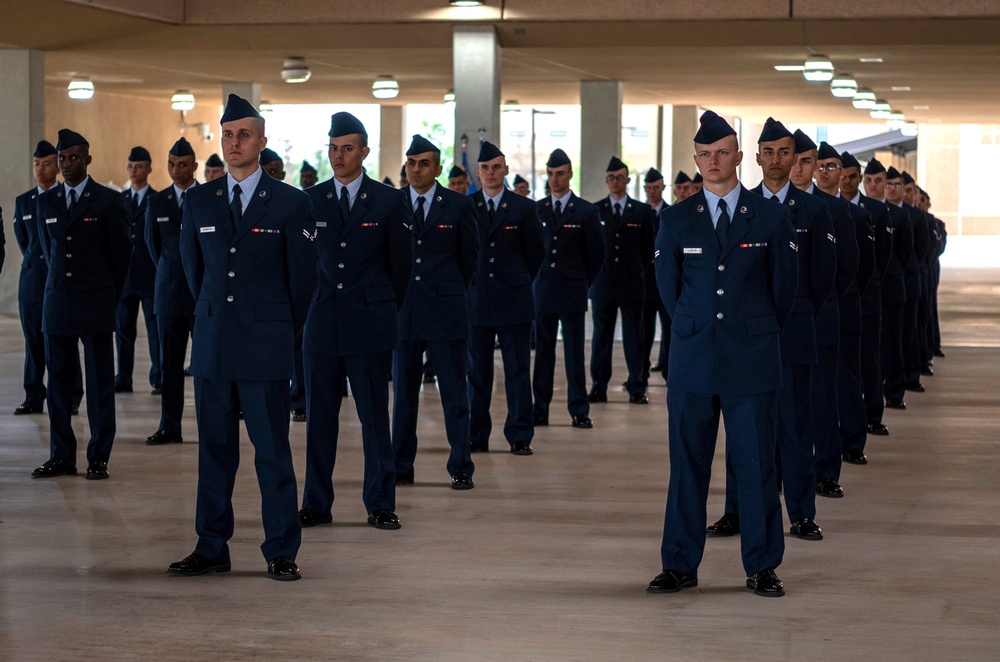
x=114, y=123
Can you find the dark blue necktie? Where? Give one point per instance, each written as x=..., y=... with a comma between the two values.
x=345, y=202
x=722, y=227
x=72, y=202
x=418, y=218
x=235, y=207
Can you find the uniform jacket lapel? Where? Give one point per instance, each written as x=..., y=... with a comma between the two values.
x=256, y=207
x=739, y=224
x=501, y=212
x=568, y=213
x=83, y=204
x=360, y=206
x=434, y=209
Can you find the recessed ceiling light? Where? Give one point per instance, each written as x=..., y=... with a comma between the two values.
x=80, y=89
x=900, y=88
x=788, y=67
x=870, y=60
x=921, y=108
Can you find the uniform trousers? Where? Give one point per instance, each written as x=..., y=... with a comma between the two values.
x=515, y=350
x=825, y=406
x=125, y=335
x=893, y=368
x=850, y=397
x=653, y=309
x=911, y=347
x=603, y=342
x=34, y=357
x=298, y=387
x=174, y=331
x=871, y=368
x=573, y=331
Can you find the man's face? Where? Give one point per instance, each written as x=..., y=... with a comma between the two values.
x=181, y=170
x=275, y=170
x=776, y=158
x=422, y=170
x=696, y=186
x=522, y=188
x=894, y=190
x=683, y=191
x=138, y=173
x=347, y=153
x=850, y=180
x=307, y=178
x=45, y=170
x=923, y=202
x=908, y=191
x=213, y=173
x=492, y=172
x=717, y=162
x=242, y=141
x=73, y=162
x=559, y=179
x=617, y=181
x=803, y=169
x=459, y=184
x=654, y=192
x=875, y=186
x=828, y=174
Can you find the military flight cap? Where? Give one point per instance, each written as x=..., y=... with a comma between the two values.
x=892, y=173
x=344, y=124
x=773, y=130
x=908, y=178
x=681, y=178
x=713, y=128
x=557, y=159
x=518, y=179
x=803, y=143
x=616, y=164
x=488, y=151
x=455, y=172
x=268, y=155
x=238, y=108
x=420, y=145
x=698, y=179
x=874, y=167
x=214, y=162
x=182, y=148
x=388, y=182
x=826, y=151
x=653, y=175
x=43, y=149
x=139, y=154
x=307, y=167
x=402, y=172
x=849, y=161
x=69, y=138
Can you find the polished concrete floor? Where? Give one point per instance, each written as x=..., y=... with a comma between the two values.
x=548, y=558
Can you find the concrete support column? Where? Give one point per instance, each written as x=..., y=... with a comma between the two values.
x=749, y=171
x=22, y=107
x=249, y=91
x=684, y=124
x=600, y=134
x=476, y=64
x=392, y=144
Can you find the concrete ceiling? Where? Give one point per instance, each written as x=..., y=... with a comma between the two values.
x=664, y=52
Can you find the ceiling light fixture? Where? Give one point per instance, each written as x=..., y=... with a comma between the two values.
x=896, y=120
x=449, y=97
x=80, y=89
x=295, y=70
x=921, y=108
x=466, y=3
x=881, y=110
x=871, y=60
x=385, y=87
x=818, y=69
x=182, y=100
x=843, y=86
x=788, y=67
x=909, y=129
x=901, y=88
x=864, y=98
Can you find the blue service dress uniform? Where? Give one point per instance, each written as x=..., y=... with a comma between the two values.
x=501, y=309
x=817, y=273
x=574, y=254
x=653, y=309
x=251, y=281
x=364, y=266
x=139, y=288
x=435, y=315
x=902, y=276
x=915, y=311
x=173, y=304
x=30, y=293
x=628, y=240
x=87, y=252
x=727, y=304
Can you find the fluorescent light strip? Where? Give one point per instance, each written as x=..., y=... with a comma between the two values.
x=788, y=67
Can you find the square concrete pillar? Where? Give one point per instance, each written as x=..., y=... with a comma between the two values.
x=600, y=134
x=476, y=65
x=248, y=91
x=392, y=144
x=684, y=124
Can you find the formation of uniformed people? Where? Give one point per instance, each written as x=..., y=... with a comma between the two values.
x=795, y=312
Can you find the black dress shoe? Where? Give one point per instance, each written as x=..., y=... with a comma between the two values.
x=122, y=388
x=157, y=390
x=28, y=408
x=938, y=353
x=283, y=569
x=196, y=564
x=594, y=396
x=638, y=399
x=927, y=371
x=806, y=529
x=895, y=404
x=878, y=429
x=161, y=437
x=384, y=519
x=309, y=517
x=97, y=470
x=404, y=480
x=855, y=456
x=728, y=525
x=582, y=421
x=656, y=368
x=479, y=448
x=671, y=581
x=766, y=584
x=916, y=387
x=521, y=448
x=830, y=488
x=299, y=414
x=539, y=420
x=54, y=467
x=462, y=481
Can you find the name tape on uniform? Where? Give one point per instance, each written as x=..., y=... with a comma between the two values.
x=208, y=228
x=692, y=251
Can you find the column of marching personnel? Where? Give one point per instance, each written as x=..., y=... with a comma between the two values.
x=795, y=312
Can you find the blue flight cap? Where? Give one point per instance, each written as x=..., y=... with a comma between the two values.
x=268, y=155
x=616, y=164
x=238, y=108
x=697, y=178
x=892, y=173
x=653, y=175
x=773, y=130
x=455, y=172
x=827, y=151
x=488, y=151
x=420, y=145
x=803, y=143
x=874, y=167
x=908, y=178
x=713, y=128
x=557, y=159
x=402, y=172
x=139, y=154
x=182, y=148
x=43, y=149
x=307, y=167
x=849, y=161
x=344, y=124
x=69, y=138
x=388, y=182
x=681, y=178
x=518, y=179
x=214, y=162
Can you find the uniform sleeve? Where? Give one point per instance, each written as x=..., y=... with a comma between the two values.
x=902, y=233
x=468, y=241
x=191, y=257
x=43, y=232
x=783, y=262
x=668, y=261
x=20, y=232
x=921, y=236
x=883, y=239
x=593, y=239
x=3, y=242
x=647, y=237
x=119, y=242
x=824, y=258
x=151, y=233
x=300, y=258
x=399, y=249
x=533, y=243
x=848, y=253
x=864, y=232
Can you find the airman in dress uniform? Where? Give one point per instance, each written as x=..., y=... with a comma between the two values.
x=925, y=243
x=898, y=307
x=683, y=187
x=521, y=186
x=458, y=180
x=696, y=183
x=307, y=175
x=653, y=308
x=214, y=168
